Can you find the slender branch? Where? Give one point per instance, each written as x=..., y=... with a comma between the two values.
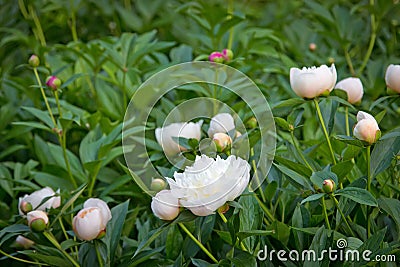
x=324, y=130
x=205, y=250
x=99, y=258
x=22, y=260
x=342, y=214
x=265, y=209
x=325, y=213
x=54, y=241
x=254, y=166
x=44, y=96
x=299, y=151
x=348, y=60
x=230, y=12
x=346, y=111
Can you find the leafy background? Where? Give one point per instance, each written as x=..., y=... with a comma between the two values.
x=103, y=51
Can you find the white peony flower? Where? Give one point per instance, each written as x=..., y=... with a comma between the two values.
x=221, y=123
x=165, y=205
x=392, y=77
x=180, y=129
x=313, y=82
x=91, y=222
x=353, y=88
x=210, y=183
x=36, y=198
x=366, y=128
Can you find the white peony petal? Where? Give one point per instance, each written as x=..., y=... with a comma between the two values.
x=392, y=77
x=221, y=123
x=88, y=223
x=104, y=209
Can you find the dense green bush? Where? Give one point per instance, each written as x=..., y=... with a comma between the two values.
x=103, y=51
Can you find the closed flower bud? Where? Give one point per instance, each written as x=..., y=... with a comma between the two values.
x=251, y=123
x=228, y=54
x=165, y=205
x=25, y=207
x=91, y=222
x=328, y=186
x=392, y=78
x=34, y=61
x=157, y=184
x=53, y=82
x=221, y=123
x=216, y=57
x=23, y=242
x=37, y=220
x=222, y=141
x=313, y=82
x=354, y=89
x=312, y=47
x=367, y=128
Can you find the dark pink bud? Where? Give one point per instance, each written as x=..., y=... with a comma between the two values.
x=53, y=82
x=216, y=57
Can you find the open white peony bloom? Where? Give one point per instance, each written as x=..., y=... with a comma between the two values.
x=221, y=123
x=313, y=82
x=181, y=129
x=37, y=197
x=91, y=221
x=353, y=88
x=392, y=77
x=366, y=128
x=210, y=183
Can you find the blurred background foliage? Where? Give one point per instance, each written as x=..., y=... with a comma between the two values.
x=103, y=50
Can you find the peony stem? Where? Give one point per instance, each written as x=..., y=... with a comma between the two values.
x=99, y=258
x=300, y=152
x=198, y=242
x=371, y=41
x=226, y=221
x=321, y=119
x=325, y=213
x=54, y=241
x=230, y=12
x=346, y=111
x=368, y=187
x=264, y=208
x=44, y=97
x=254, y=165
x=22, y=260
x=342, y=214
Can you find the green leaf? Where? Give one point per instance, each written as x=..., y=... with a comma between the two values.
x=350, y=140
x=383, y=154
x=114, y=229
x=295, y=178
x=358, y=195
x=342, y=169
x=173, y=244
x=292, y=103
x=250, y=218
x=282, y=123
x=243, y=259
x=313, y=197
x=41, y=115
x=244, y=234
x=297, y=167
x=150, y=238
x=392, y=207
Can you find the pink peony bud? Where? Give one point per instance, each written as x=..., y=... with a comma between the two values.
x=367, y=128
x=216, y=57
x=34, y=61
x=165, y=205
x=24, y=242
x=353, y=87
x=53, y=82
x=392, y=78
x=312, y=47
x=328, y=186
x=222, y=141
x=228, y=54
x=37, y=220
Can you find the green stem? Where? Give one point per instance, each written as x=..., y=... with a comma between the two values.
x=265, y=209
x=22, y=260
x=125, y=94
x=300, y=152
x=58, y=103
x=325, y=213
x=63, y=142
x=321, y=119
x=372, y=38
x=346, y=111
x=369, y=178
x=44, y=96
x=230, y=12
x=342, y=214
x=348, y=60
x=54, y=241
x=226, y=221
x=73, y=22
x=208, y=253
x=254, y=165
x=93, y=180
x=99, y=258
